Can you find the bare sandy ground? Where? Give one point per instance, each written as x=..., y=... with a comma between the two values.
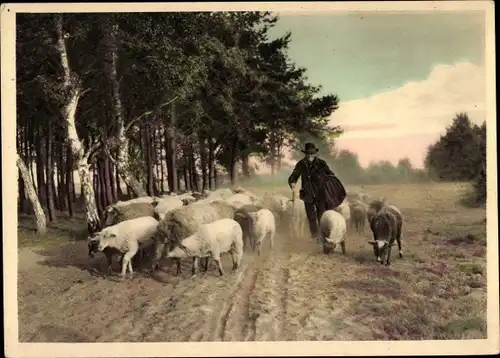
x=293, y=292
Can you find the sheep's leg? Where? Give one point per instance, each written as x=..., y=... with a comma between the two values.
x=234, y=257
x=195, y=266
x=130, y=269
x=124, y=266
x=388, y=260
x=342, y=245
x=109, y=260
x=206, y=264
x=219, y=265
x=127, y=258
x=398, y=239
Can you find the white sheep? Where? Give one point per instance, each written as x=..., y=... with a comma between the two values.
x=126, y=237
x=359, y=212
x=262, y=226
x=186, y=198
x=332, y=227
x=253, y=197
x=142, y=199
x=297, y=217
x=185, y=221
x=220, y=194
x=164, y=205
x=239, y=198
x=344, y=210
x=237, y=204
x=278, y=204
x=212, y=240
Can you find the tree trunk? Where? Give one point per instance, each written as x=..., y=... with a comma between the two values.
x=20, y=183
x=232, y=163
x=185, y=176
x=211, y=166
x=149, y=161
x=41, y=221
x=216, y=180
x=168, y=162
x=177, y=178
x=172, y=141
x=61, y=185
x=68, y=111
x=40, y=173
x=98, y=190
x=70, y=182
x=122, y=142
x=203, y=163
x=111, y=178
x=272, y=145
x=119, y=191
x=162, y=168
x=194, y=173
x=22, y=192
x=50, y=175
x=156, y=161
x=106, y=183
x=245, y=166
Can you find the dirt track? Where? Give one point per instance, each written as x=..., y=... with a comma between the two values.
x=60, y=300
x=438, y=290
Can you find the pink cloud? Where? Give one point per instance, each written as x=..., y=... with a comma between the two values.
x=364, y=127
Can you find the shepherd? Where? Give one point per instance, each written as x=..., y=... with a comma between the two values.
x=321, y=189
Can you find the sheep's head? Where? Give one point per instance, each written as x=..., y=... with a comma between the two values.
x=93, y=244
x=180, y=251
x=110, y=215
x=380, y=249
x=238, y=190
x=253, y=216
x=104, y=237
x=377, y=205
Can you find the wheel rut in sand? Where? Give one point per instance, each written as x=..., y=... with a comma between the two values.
x=230, y=319
x=236, y=322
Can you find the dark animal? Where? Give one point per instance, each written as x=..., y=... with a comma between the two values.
x=386, y=226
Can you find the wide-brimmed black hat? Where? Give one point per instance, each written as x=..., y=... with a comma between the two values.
x=310, y=148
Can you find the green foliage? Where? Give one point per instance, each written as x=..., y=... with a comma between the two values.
x=460, y=155
x=231, y=82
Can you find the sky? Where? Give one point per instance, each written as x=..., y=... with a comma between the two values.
x=400, y=77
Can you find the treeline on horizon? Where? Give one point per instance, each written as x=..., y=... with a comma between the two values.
x=458, y=156
x=157, y=102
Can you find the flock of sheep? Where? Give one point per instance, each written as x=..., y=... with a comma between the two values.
x=204, y=226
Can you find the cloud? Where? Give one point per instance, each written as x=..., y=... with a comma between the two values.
x=416, y=113
x=404, y=122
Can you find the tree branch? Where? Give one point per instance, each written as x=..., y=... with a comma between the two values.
x=133, y=121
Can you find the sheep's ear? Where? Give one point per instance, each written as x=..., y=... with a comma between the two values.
x=372, y=242
x=111, y=209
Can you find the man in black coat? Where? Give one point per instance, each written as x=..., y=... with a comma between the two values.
x=315, y=173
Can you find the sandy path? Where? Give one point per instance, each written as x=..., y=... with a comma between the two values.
x=271, y=297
